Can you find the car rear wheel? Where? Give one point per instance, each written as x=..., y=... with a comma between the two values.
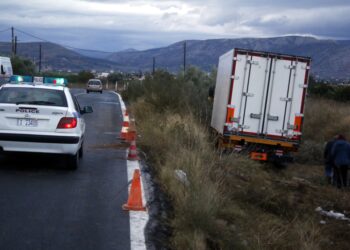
x=81, y=151
x=73, y=161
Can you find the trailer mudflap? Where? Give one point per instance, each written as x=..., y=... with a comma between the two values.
x=257, y=156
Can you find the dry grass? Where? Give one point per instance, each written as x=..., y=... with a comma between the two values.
x=326, y=118
x=323, y=120
x=231, y=202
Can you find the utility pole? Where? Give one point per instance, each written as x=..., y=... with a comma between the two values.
x=39, y=57
x=154, y=65
x=12, y=41
x=15, y=45
x=184, y=58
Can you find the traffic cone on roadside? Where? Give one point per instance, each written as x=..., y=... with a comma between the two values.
x=134, y=202
x=125, y=128
x=132, y=156
x=124, y=133
x=131, y=136
x=126, y=121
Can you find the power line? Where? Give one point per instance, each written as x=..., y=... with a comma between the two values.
x=1, y=31
x=63, y=45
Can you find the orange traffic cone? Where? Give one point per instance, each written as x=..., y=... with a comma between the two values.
x=124, y=133
x=134, y=202
x=131, y=136
x=132, y=156
x=125, y=128
x=126, y=121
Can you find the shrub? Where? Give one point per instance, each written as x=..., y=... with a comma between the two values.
x=179, y=94
x=22, y=66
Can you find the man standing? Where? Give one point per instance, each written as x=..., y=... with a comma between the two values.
x=340, y=153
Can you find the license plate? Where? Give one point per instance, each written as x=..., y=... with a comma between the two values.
x=27, y=122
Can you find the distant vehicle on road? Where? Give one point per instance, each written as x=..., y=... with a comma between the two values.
x=5, y=69
x=94, y=85
x=41, y=118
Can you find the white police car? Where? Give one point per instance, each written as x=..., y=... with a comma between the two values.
x=41, y=118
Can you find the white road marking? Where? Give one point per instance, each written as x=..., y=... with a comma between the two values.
x=138, y=219
x=111, y=133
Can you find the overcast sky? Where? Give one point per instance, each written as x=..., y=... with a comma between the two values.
x=112, y=25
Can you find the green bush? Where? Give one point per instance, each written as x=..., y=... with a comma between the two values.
x=342, y=93
x=22, y=66
x=182, y=94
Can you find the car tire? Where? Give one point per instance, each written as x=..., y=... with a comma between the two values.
x=73, y=161
x=81, y=151
x=87, y=91
x=101, y=92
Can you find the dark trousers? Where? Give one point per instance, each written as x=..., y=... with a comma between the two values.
x=341, y=176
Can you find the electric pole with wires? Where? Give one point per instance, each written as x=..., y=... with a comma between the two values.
x=184, y=58
x=39, y=57
x=12, y=41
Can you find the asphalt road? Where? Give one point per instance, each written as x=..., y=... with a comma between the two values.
x=44, y=206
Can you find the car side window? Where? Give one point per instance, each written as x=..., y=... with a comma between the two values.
x=76, y=104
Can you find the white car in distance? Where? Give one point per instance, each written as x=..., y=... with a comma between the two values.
x=41, y=118
x=94, y=85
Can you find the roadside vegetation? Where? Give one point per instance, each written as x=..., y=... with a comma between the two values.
x=226, y=201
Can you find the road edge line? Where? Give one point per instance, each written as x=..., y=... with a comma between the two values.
x=138, y=219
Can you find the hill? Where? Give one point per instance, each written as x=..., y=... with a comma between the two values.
x=56, y=57
x=328, y=55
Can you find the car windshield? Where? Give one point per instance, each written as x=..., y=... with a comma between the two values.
x=35, y=96
x=94, y=83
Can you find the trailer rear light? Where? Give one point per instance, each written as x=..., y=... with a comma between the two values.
x=297, y=123
x=230, y=114
x=67, y=122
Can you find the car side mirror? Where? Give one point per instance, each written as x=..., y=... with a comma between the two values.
x=86, y=110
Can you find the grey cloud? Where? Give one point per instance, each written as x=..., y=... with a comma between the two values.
x=121, y=31
x=168, y=15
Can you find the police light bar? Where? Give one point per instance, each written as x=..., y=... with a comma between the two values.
x=38, y=80
x=21, y=79
x=56, y=81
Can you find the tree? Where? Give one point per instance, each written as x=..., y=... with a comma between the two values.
x=22, y=66
x=115, y=77
x=84, y=76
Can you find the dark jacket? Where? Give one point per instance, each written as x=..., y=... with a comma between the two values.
x=341, y=153
x=327, y=154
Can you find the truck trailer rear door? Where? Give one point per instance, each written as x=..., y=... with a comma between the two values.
x=250, y=94
x=284, y=104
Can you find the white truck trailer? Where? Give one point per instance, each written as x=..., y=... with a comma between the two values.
x=259, y=102
x=5, y=69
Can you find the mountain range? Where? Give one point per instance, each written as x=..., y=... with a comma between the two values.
x=330, y=58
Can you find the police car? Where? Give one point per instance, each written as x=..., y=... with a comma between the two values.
x=41, y=117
